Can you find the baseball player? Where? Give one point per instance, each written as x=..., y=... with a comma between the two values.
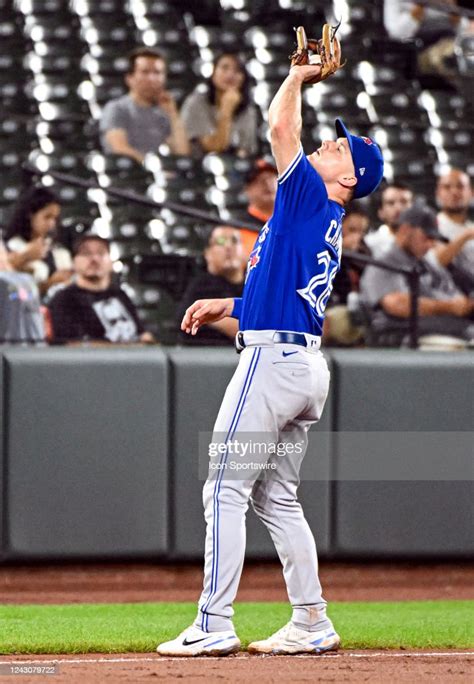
x=281, y=383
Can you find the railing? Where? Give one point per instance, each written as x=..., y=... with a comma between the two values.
x=413, y=277
x=129, y=196
x=446, y=8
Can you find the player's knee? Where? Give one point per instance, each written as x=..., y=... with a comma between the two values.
x=226, y=495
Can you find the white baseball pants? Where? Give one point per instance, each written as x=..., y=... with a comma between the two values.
x=276, y=393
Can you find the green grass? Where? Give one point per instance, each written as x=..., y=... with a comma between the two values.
x=139, y=627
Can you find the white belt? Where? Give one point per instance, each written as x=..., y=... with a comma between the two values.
x=268, y=338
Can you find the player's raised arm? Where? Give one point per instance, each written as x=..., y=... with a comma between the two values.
x=312, y=61
x=284, y=116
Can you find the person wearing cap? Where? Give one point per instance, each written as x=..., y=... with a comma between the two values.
x=442, y=307
x=281, y=382
x=260, y=190
x=93, y=308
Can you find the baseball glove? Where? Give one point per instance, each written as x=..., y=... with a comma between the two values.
x=325, y=51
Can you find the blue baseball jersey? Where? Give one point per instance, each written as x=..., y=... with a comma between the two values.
x=291, y=269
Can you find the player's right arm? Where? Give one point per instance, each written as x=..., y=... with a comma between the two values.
x=284, y=115
x=205, y=311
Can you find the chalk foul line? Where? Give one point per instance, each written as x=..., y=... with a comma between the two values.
x=158, y=659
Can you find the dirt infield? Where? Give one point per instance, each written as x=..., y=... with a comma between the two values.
x=260, y=582
x=349, y=666
x=117, y=583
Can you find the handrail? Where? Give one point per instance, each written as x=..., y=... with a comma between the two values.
x=413, y=277
x=136, y=198
x=445, y=8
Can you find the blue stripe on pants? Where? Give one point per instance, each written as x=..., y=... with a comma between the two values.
x=215, y=529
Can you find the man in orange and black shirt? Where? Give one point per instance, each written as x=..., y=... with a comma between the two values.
x=260, y=188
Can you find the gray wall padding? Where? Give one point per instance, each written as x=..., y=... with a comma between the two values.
x=100, y=454
x=399, y=392
x=87, y=450
x=2, y=439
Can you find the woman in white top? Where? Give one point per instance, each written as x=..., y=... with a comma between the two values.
x=30, y=239
x=218, y=115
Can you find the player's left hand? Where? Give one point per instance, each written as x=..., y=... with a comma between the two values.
x=205, y=311
x=325, y=52
x=307, y=73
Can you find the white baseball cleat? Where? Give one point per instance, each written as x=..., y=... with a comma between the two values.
x=290, y=640
x=195, y=642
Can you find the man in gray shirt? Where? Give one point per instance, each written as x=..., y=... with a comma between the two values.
x=442, y=307
x=147, y=116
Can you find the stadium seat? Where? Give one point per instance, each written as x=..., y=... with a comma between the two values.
x=453, y=109
x=108, y=88
x=175, y=165
x=11, y=186
x=60, y=60
x=184, y=237
x=395, y=108
x=124, y=172
x=11, y=159
x=46, y=7
x=69, y=162
x=161, y=317
x=171, y=272
x=75, y=134
x=16, y=136
x=13, y=99
x=180, y=191
x=76, y=205
x=111, y=10
x=11, y=34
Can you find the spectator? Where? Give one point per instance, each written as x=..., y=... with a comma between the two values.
x=442, y=307
x=343, y=318
x=435, y=31
x=394, y=198
x=219, y=117
x=147, y=116
x=260, y=188
x=30, y=237
x=224, y=278
x=93, y=308
x=21, y=319
x=454, y=195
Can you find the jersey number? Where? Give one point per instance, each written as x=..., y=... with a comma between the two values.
x=319, y=288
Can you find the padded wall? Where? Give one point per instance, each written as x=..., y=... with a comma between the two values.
x=395, y=393
x=2, y=439
x=86, y=453
x=100, y=454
